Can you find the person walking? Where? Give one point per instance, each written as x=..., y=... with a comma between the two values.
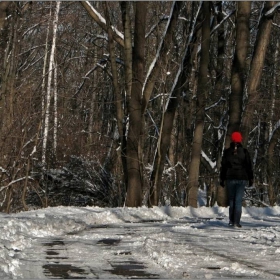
x=236, y=173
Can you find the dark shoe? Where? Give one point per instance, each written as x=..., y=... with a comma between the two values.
x=237, y=225
x=230, y=224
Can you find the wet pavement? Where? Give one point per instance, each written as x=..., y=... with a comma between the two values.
x=77, y=256
x=152, y=249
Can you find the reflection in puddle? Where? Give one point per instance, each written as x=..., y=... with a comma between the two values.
x=109, y=241
x=51, y=253
x=64, y=271
x=56, y=258
x=213, y=267
x=132, y=269
x=54, y=243
x=123, y=253
x=58, y=270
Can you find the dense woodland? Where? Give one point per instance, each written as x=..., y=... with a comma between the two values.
x=132, y=103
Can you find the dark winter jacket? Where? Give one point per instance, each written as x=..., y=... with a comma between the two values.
x=236, y=164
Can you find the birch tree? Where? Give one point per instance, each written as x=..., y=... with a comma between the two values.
x=49, y=85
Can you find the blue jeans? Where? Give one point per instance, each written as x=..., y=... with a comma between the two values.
x=235, y=189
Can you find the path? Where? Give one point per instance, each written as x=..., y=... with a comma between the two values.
x=185, y=249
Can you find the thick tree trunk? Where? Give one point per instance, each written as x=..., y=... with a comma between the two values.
x=270, y=167
x=192, y=188
x=215, y=191
x=273, y=134
x=237, y=79
x=125, y=8
x=239, y=68
x=117, y=91
x=256, y=69
x=135, y=176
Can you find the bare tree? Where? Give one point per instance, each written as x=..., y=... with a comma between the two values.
x=133, y=151
x=238, y=77
x=202, y=90
x=167, y=123
x=238, y=74
x=49, y=85
x=256, y=67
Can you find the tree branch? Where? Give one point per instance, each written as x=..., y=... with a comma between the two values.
x=117, y=35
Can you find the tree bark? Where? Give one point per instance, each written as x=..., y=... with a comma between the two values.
x=255, y=74
x=48, y=95
x=192, y=188
x=125, y=7
x=135, y=176
x=117, y=93
x=239, y=68
x=55, y=108
x=237, y=79
x=102, y=23
x=270, y=166
x=215, y=191
x=3, y=9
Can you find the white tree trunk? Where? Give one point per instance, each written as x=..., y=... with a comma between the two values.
x=55, y=109
x=44, y=68
x=48, y=94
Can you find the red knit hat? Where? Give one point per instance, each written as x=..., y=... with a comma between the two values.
x=236, y=137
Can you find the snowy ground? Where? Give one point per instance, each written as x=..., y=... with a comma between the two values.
x=149, y=243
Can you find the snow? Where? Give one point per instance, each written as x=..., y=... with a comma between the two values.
x=102, y=20
x=272, y=10
x=160, y=242
x=213, y=164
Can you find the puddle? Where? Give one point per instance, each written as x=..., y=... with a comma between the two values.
x=213, y=267
x=109, y=241
x=133, y=269
x=56, y=269
x=52, y=253
x=124, y=269
x=54, y=243
x=146, y=221
x=57, y=258
x=123, y=253
x=64, y=271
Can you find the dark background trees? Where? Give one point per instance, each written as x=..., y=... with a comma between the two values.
x=141, y=95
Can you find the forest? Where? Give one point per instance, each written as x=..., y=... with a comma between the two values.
x=132, y=103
